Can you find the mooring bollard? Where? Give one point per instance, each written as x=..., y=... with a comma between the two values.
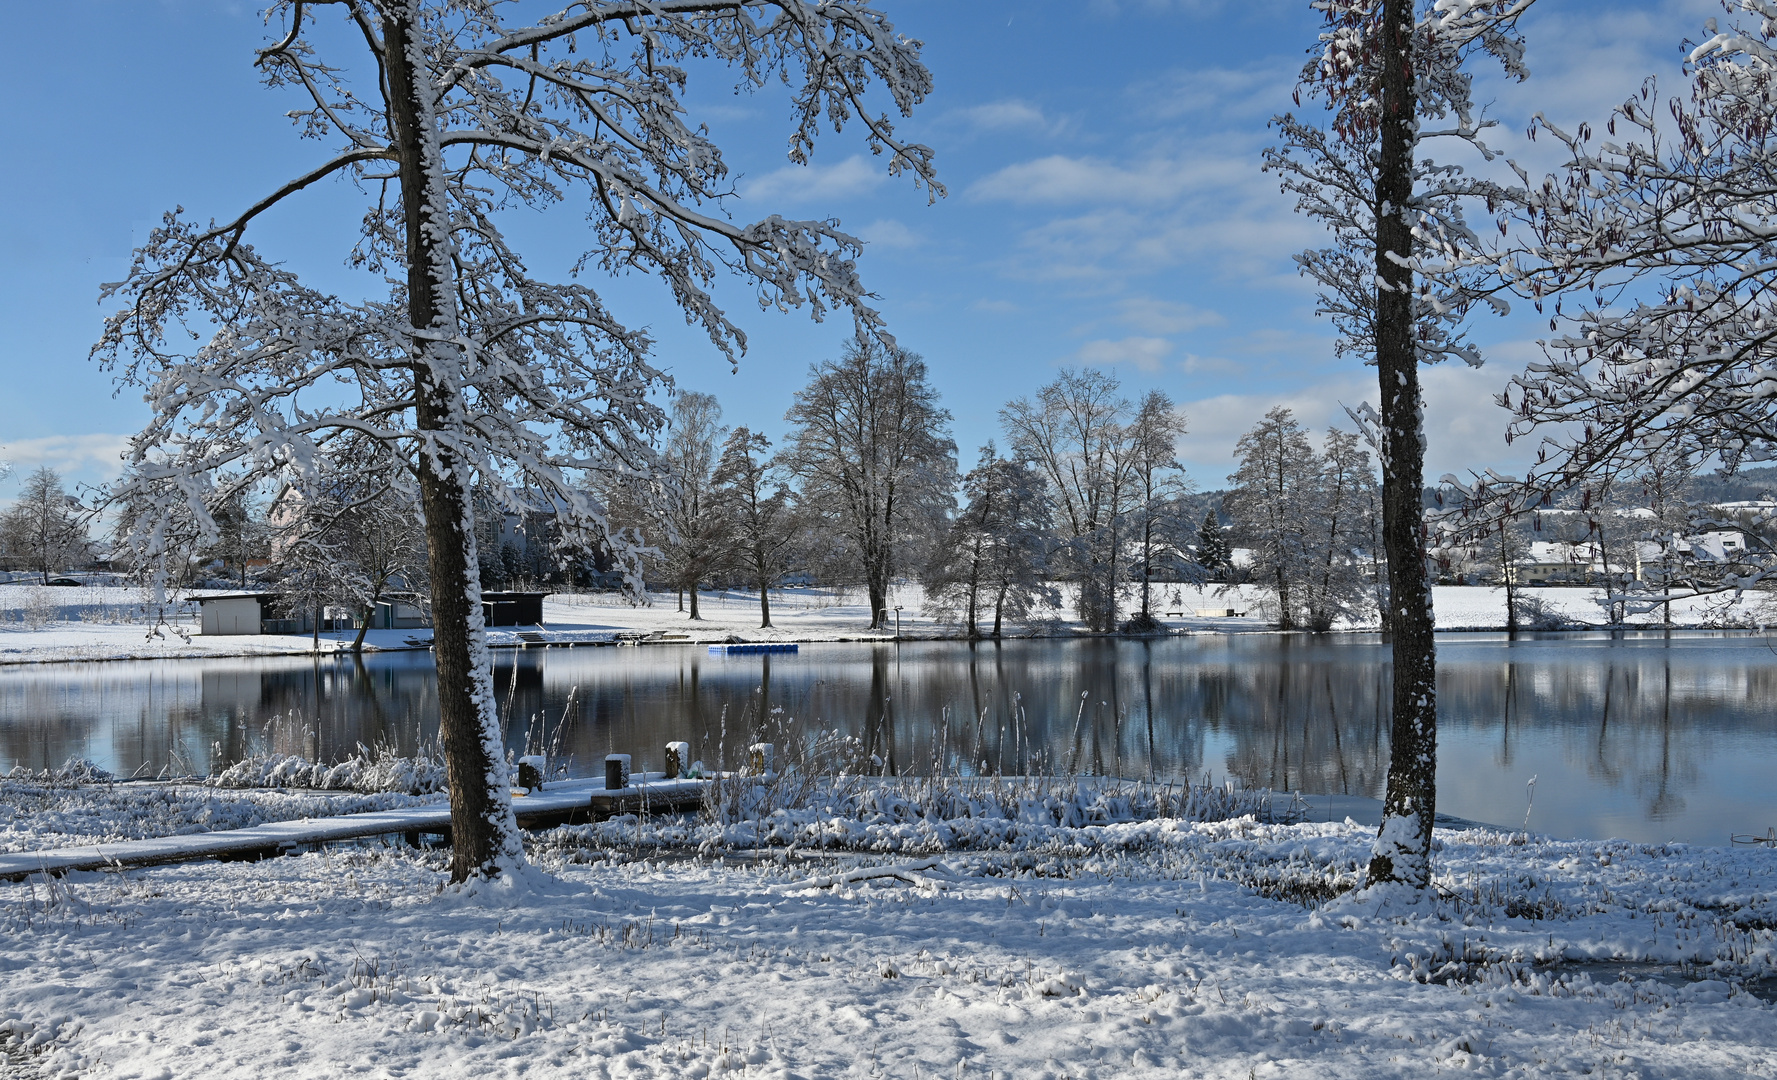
x=531, y=768
x=616, y=772
x=678, y=759
x=759, y=758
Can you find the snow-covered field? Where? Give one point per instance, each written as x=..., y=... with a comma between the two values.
x=39, y=624
x=1148, y=949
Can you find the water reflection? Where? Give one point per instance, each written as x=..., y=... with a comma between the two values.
x=1645, y=736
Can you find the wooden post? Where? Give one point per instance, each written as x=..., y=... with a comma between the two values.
x=678, y=759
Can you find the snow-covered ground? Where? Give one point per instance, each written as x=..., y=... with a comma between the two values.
x=1149, y=949
x=41, y=624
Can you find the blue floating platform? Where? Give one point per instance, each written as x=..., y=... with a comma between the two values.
x=732, y=650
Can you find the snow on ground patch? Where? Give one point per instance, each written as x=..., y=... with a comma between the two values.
x=1149, y=962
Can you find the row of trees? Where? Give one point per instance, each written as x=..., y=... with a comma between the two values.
x=865, y=478
x=865, y=490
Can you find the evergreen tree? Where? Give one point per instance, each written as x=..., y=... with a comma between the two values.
x=1212, y=546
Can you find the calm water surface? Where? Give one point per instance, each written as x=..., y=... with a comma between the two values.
x=1638, y=736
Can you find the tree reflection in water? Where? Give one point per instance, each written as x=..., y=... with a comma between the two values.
x=1624, y=731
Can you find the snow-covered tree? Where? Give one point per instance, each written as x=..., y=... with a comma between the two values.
x=1402, y=274
x=995, y=550
x=1663, y=483
x=45, y=528
x=1075, y=433
x=1275, y=500
x=351, y=537
x=871, y=447
x=758, y=509
x=1156, y=480
x=687, y=514
x=1339, y=531
x=471, y=367
x=240, y=533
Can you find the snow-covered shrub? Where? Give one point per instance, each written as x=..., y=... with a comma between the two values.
x=381, y=771
x=1538, y=614
x=41, y=606
x=76, y=770
x=926, y=815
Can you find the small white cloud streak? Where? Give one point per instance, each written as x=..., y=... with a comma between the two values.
x=889, y=233
x=800, y=184
x=1143, y=353
x=1155, y=316
x=1008, y=115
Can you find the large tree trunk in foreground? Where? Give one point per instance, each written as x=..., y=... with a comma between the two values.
x=1403, y=845
x=484, y=831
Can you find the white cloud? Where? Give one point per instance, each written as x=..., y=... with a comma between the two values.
x=1155, y=316
x=1200, y=200
x=889, y=233
x=801, y=184
x=1216, y=94
x=1193, y=364
x=1062, y=179
x=1009, y=115
x=66, y=453
x=1145, y=353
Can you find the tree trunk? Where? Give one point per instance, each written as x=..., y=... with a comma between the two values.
x=1403, y=844
x=876, y=587
x=1510, y=578
x=695, y=617
x=484, y=832
x=364, y=617
x=1285, y=618
x=764, y=601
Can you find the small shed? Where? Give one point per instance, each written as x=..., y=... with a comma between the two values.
x=512, y=608
x=234, y=613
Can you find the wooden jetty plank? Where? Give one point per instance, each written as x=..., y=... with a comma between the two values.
x=556, y=803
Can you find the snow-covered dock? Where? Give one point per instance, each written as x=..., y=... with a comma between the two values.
x=561, y=802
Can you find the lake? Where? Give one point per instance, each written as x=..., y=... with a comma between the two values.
x=1643, y=736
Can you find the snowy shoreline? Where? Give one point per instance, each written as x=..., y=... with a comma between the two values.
x=805, y=616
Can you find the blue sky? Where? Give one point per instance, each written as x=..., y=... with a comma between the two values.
x=1105, y=207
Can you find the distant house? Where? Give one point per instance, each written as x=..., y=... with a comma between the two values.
x=257, y=613
x=1582, y=562
x=1558, y=563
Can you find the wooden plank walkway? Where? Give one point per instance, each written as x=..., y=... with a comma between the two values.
x=562, y=802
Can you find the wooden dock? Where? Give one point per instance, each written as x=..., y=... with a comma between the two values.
x=562, y=802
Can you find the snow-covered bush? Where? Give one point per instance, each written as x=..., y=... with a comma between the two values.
x=930, y=814
x=380, y=771
x=1538, y=614
x=76, y=770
